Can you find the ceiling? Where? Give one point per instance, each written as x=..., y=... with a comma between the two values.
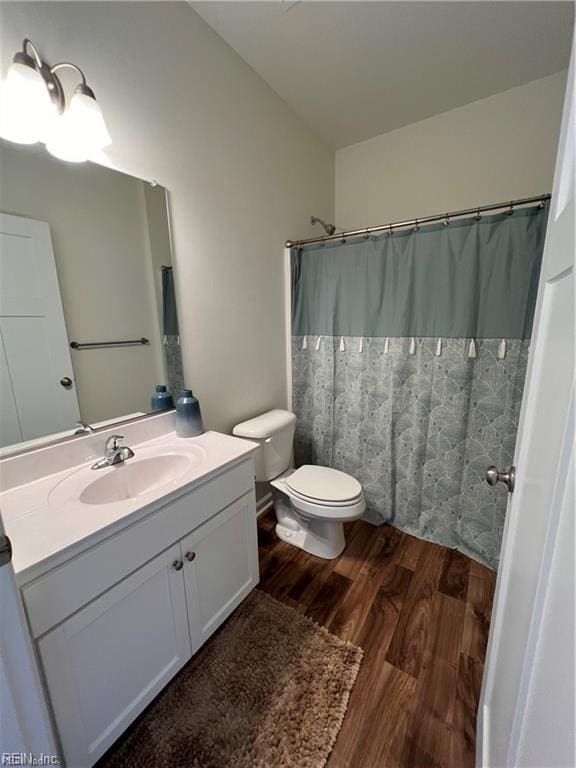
x=353, y=70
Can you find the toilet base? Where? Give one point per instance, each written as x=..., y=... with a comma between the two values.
x=319, y=538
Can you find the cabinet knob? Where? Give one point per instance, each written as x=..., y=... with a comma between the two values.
x=66, y=382
x=178, y=564
x=190, y=556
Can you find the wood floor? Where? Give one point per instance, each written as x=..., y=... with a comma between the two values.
x=421, y=613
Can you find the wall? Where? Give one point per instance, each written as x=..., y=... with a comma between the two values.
x=243, y=173
x=100, y=235
x=495, y=149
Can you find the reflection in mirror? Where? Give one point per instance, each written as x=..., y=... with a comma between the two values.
x=88, y=322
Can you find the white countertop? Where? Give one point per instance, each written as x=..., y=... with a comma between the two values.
x=41, y=532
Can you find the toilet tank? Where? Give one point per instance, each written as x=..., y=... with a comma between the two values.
x=274, y=431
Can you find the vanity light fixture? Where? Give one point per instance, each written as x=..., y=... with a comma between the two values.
x=34, y=108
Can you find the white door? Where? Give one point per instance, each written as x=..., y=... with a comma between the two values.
x=107, y=662
x=220, y=567
x=38, y=394
x=526, y=715
x=24, y=723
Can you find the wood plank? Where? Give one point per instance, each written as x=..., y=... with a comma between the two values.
x=454, y=578
x=313, y=575
x=267, y=539
x=356, y=603
x=267, y=520
x=429, y=739
x=277, y=560
x=381, y=703
x=411, y=551
x=293, y=570
x=408, y=643
x=380, y=706
x=481, y=582
x=325, y=604
x=357, y=549
x=378, y=628
x=463, y=739
x=317, y=570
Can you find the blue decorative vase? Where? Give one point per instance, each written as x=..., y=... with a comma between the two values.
x=188, y=416
x=161, y=400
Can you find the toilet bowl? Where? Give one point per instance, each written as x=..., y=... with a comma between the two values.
x=311, y=502
x=314, y=521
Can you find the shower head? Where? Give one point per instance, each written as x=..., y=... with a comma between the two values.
x=328, y=228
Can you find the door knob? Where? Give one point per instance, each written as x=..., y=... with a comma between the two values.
x=66, y=382
x=507, y=476
x=178, y=564
x=190, y=556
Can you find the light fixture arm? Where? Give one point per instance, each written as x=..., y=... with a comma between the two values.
x=27, y=43
x=82, y=87
x=30, y=57
x=68, y=65
x=34, y=61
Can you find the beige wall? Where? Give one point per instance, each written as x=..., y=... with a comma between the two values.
x=243, y=172
x=495, y=149
x=100, y=235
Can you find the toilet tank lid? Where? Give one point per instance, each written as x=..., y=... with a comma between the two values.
x=266, y=425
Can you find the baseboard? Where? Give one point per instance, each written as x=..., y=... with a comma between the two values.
x=264, y=504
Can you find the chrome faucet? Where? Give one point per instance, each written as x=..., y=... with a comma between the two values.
x=114, y=453
x=83, y=428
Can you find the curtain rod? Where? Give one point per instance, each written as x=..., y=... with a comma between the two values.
x=343, y=236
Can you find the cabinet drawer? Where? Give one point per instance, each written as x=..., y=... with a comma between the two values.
x=55, y=596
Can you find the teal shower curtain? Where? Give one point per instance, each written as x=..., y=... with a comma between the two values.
x=171, y=332
x=409, y=356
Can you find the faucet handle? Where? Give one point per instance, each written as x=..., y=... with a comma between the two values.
x=113, y=441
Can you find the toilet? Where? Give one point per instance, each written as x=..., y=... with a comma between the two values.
x=311, y=502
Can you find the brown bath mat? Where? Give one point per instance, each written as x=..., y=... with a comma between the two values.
x=270, y=690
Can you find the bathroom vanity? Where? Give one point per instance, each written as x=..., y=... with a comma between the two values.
x=125, y=572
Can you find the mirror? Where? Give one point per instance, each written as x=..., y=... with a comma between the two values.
x=88, y=323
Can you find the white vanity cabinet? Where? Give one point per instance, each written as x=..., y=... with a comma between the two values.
x=105, y=663
x=220, y=568
x=113, y=653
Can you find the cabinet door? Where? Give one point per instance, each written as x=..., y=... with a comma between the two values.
x=106, y=663
x=220, y=567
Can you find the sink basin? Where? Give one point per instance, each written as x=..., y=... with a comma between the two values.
x=152, y=469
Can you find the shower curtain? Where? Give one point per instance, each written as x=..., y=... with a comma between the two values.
x=172, y=353
x=409, y=355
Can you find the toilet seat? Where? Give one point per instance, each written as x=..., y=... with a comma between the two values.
x=323, y=502
x=318, y=510
x=324, y=486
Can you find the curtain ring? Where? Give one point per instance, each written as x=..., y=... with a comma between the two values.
x=510, y=210
x=322, y=243
x=541, y=204
x=477, y=217
x=446, y=220
x=416, y=227
x=367, y=234
x=343, y=241
x=389, y=233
